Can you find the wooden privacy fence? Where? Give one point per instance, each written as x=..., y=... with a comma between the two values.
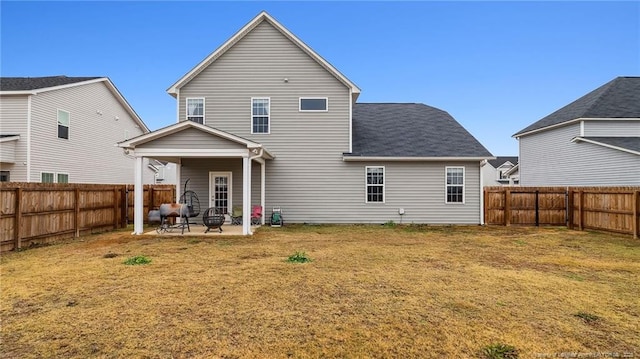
x=613, y=209
x=36, y=213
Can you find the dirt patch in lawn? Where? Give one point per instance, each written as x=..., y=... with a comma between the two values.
x=367, y=291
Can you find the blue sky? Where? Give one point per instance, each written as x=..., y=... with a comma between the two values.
x=495, y=66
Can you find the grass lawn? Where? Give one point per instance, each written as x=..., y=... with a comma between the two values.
x=369, y=291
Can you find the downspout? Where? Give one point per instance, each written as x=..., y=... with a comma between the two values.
x=29, y=138
x=482, y=163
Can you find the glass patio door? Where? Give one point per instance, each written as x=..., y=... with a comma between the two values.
x=220, y=191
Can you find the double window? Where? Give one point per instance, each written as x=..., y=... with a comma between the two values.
x=375, y=184
x=455, y=184
x=63, y=124
x=50, y=177
x=260, y=110
x=195, y=110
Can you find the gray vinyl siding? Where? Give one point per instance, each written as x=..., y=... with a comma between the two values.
x=308, y=178
x=192, y=139
x=612, y=128
x=90, y=154
x=13, y=121
x=549, y=158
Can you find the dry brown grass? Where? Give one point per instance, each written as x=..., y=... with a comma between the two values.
x=370, y=291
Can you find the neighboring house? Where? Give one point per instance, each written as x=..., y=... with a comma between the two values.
x=63, y=129
x=264, y=120
x=503, y=170
x=593, y=141
x=164, y=172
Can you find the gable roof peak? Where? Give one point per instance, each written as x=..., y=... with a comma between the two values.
x=240, y=34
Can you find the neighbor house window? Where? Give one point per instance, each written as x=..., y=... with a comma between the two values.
x=260, y=115
x=63, y=124
x=195, y=110
x=5, y=176
x=375, y=184
x=319, y=104
x=62, y=177
x=47, y=177
x=455, y=184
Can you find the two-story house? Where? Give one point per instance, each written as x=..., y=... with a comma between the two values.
x=63, y=129
x=265, y=120
x=593, y=141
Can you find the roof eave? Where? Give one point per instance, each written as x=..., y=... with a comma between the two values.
x=348, y=158
x=541, y=129
x=582, y=139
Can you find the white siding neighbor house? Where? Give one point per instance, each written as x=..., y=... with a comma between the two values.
x=501, y=171
x=63, y=129
x=593, y=141
x=264, y=120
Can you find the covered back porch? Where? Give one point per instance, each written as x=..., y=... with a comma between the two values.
x=224, y=170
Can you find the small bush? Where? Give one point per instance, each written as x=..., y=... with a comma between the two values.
x=499, y=351
x=298, y=257
x=390, y=224
x=137, y=260
x=110, y=255
x=587, y=317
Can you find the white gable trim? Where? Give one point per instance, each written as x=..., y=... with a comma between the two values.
x=412, y=159
x=142, y=139
x=107, y=82
x=566, y=123
x=263, y=16
x=582, y=139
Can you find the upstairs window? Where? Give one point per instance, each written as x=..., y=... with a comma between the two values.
x=455, y=184
x=314, y=104
x=195, y=110
x=63, y=124
x=260, y=115
x=375, y=184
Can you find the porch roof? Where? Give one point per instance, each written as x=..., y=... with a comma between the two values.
x=154, y=144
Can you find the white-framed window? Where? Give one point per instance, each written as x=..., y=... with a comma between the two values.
x=63, y=124
x=313, y=104
x=375, y=184
x=260, y=114
x=195, y=110
x=54, y=177
x=47, y=177
x=62, y=177
x=454, y=185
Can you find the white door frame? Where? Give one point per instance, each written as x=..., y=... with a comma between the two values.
x=212, y=175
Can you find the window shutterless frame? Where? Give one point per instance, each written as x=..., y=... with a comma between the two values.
x=194, y=107
x=261, y=115
x=47, y=177
x=64, y=120
x=374, y=183
x=62, y=177
x=454, y=185
x=313, y=104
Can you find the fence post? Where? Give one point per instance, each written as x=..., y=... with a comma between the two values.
x=115, y=207
x=18, y=224
x=76, y=212
x=537, y=209
x=569, y=208
x=507, y=208
x=636, y=209
x=581, y=210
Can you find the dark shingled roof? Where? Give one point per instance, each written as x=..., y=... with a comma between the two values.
x=619, y=98
x=502, y=159
x=410, y=130
x=33, y=83
x=629, y=143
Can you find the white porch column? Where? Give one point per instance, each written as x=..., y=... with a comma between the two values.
x=246, y=195
x=262, y=188
x=178, y=179
x=138, y=194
